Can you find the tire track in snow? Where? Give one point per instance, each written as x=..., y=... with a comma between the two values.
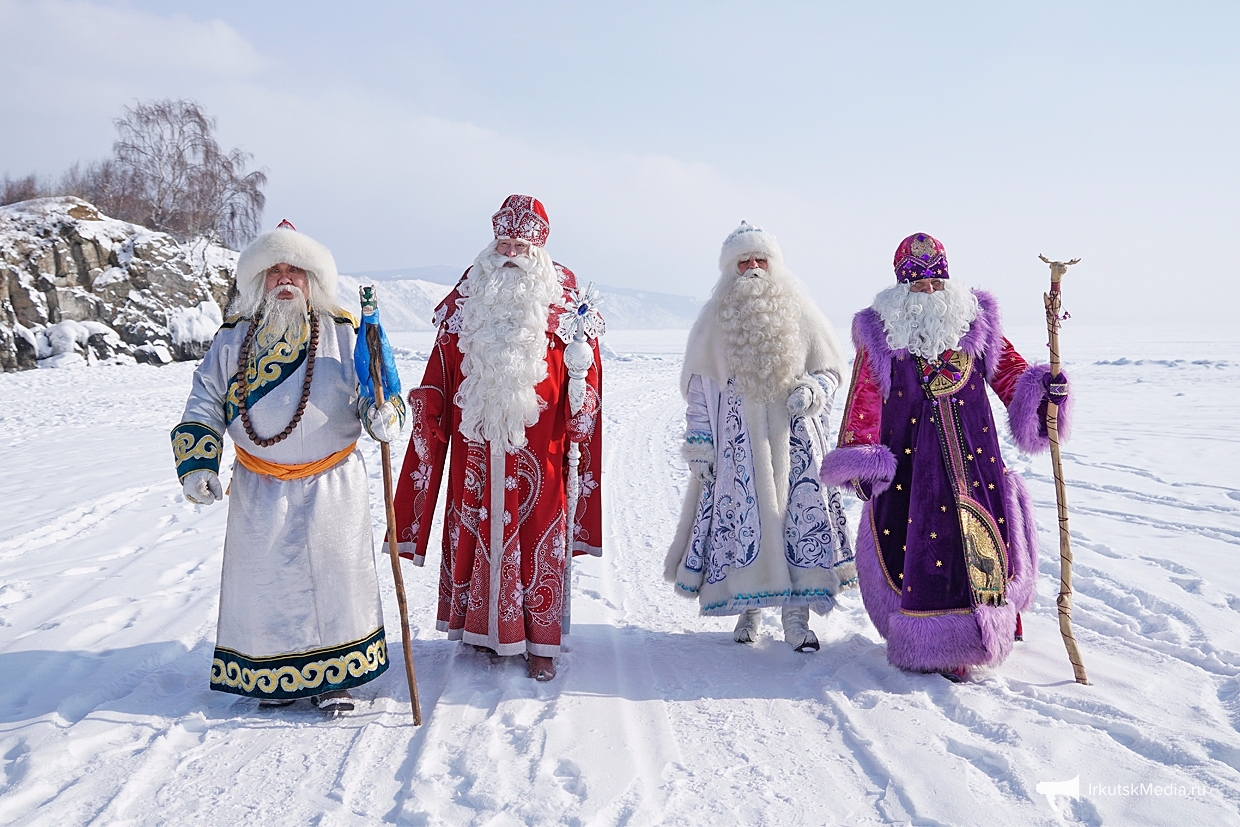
x=75, y=522
x=755, y=751
x=589, y=744
x=1116, y=611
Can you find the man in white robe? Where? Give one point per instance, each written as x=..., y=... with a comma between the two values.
x=758, y=528
x=299, y=600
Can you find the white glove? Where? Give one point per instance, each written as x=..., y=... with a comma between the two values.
x=702, y=470
x=384, y=423
x=807, y=399
x=202, y=487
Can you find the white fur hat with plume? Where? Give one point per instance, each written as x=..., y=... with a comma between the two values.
x=284, y=245
x=747, y=240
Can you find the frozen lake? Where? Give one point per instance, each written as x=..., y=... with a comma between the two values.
x=108, y=595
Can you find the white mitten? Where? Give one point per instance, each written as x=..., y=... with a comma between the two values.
x=807, y=399
x=384, y=422
x=702, y=470
x=202, y=487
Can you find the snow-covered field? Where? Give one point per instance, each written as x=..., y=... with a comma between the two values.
x=108, y=593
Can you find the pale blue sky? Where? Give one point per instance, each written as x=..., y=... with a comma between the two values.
x=392, y=131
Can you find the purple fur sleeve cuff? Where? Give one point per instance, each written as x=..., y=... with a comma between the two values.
x=873, y=464
x=1026, y=411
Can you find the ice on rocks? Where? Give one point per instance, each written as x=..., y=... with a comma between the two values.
x=61, y=260
x=195, y=324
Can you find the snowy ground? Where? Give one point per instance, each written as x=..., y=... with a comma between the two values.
x=108, y=593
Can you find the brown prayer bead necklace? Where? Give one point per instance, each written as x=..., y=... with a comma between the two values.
x=243, y=363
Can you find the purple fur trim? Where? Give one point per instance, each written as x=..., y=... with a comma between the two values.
x=940, y=643
x=1022, y=545
x=985, y=337
x=1023, y=415
x=881, y=601
x=874, y=464
x=935, y=643
x=868, y=333
x=998, y=628
x=943, y=642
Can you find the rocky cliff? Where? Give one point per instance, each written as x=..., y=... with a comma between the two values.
x=79, y=287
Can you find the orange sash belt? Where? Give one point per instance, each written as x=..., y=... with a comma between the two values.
x=290, y=472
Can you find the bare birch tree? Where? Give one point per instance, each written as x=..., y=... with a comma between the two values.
x=169, y=173
x=186, y=184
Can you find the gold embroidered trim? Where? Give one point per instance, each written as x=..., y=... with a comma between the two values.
x=185, y=448
x=239, y=673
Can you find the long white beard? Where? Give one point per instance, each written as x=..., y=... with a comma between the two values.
x=503, y=340
x=256, y=301
x=926, y=323
x=282, y=318
x=760, y=319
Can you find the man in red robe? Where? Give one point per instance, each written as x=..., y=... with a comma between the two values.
x=496, y=390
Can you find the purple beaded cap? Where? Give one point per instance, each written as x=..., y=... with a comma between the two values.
x=920, y=256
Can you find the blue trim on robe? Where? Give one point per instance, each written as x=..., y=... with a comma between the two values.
x=196, y=446
x=300, y=674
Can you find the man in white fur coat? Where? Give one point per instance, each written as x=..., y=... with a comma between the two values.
x=299, y=600
x=758, y=528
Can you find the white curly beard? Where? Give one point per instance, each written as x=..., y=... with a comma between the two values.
x=259, y=301
x=926, y=323
x=760, y=319
x=285, y=318
x=503, y=340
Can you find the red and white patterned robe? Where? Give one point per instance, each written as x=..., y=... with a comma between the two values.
x=511, y=602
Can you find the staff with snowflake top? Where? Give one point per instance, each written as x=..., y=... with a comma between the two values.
x=500, y=392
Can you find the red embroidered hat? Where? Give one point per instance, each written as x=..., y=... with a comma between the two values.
x=920, y=256
x=523, y=217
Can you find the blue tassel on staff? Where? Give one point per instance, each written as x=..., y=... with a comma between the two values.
x=362, y=355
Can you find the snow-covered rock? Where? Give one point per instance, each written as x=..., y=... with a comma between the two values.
x=192, y=328
x=62, y=261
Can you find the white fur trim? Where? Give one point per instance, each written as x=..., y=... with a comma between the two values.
x=745, y=240
x=680, y=543
x=697, y=450
x=285, y=246
x=817, y=348
x=817, y=398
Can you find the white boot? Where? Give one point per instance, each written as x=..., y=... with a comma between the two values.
x=746, y=630
x=797, y=633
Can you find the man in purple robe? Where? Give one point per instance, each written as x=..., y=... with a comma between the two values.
x=947, y=545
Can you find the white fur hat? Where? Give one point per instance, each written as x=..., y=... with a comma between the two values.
x=745, y=240
x=285, y=245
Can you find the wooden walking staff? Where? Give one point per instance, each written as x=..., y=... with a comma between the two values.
x=1055, y=315
x=370, y=304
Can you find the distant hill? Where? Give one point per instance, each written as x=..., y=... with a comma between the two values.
x=435, y=274
x=408, y=297
x=628, y=309
x=404, y=304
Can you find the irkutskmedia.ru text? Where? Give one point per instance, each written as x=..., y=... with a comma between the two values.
x=1178, y=790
